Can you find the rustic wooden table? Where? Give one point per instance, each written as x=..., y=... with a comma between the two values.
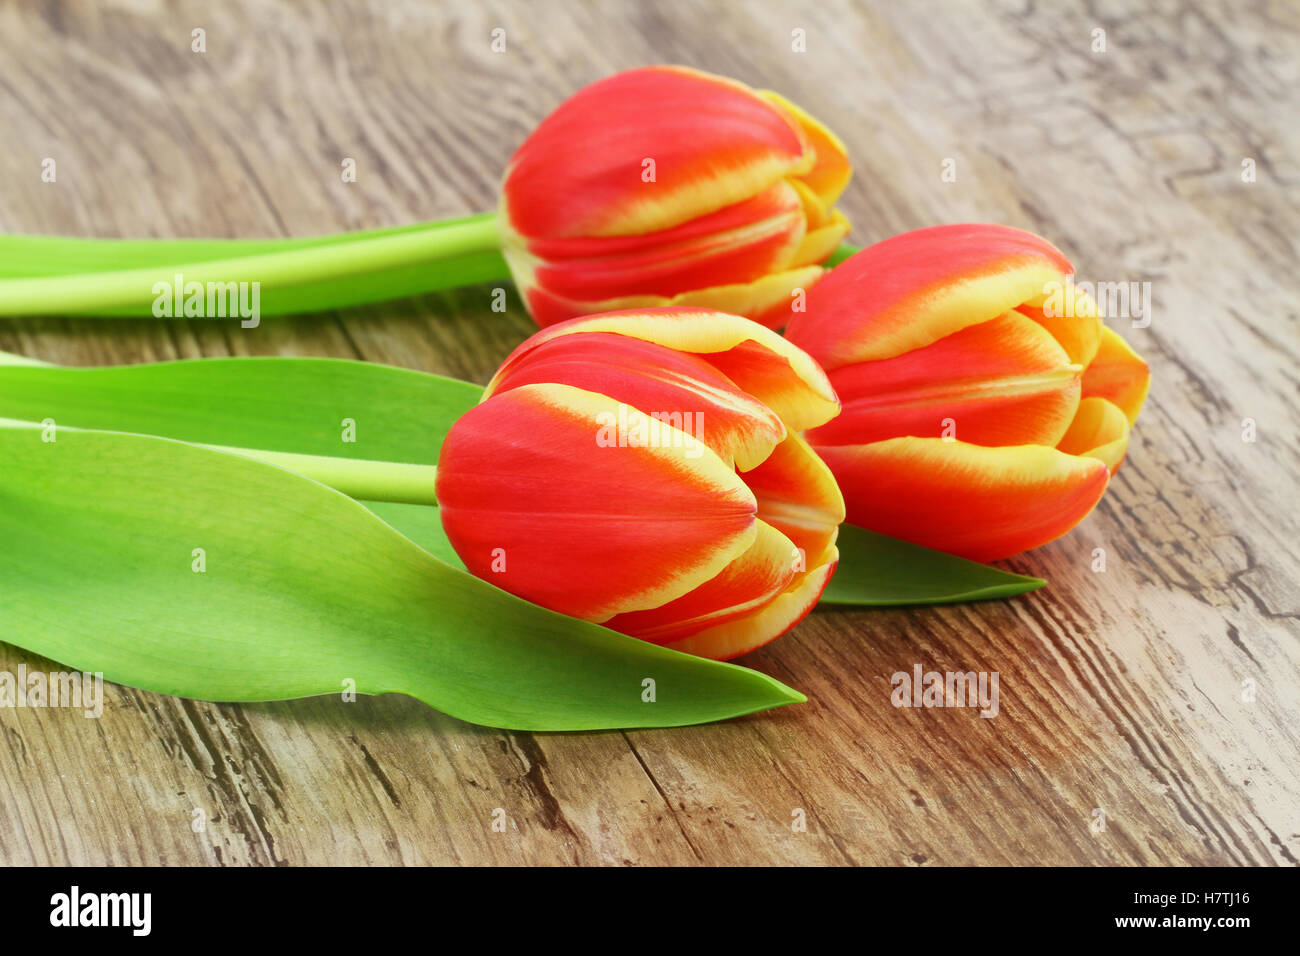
x=1148, y=712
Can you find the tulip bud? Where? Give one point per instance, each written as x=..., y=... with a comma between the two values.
x=985, y=404
x=667, y=186
x=644, y=470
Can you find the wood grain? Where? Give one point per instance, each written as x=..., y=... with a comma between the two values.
x=1120, y=691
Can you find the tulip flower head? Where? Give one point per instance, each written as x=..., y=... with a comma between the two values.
x=979, y=417
x=645, y=470
x=667, y=186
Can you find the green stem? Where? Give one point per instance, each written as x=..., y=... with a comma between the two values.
x=45, y=275
x=357, y=478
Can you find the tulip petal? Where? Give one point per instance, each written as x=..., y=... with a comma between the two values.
x=832, y=170
x=1002, y=382
x=747, y=584
x=714, y=142
x=819, y=243
x=977, y=502
x=798, y=495
x=756, y=359
x=1118, y=375
x=912, y=290
x=531, y=501
x=1099, y=430
x=678, y=387
x=1074, y=321
x=766, y=301
x=735, y=245
x=734, y=638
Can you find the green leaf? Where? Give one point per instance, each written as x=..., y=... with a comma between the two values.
x=422, y=524
x=294, y=405
x=842, y=252
x=43, y=275
x=301, y=590
x=878, y=570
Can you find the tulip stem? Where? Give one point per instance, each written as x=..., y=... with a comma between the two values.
x=357, y=478
x=44, y=275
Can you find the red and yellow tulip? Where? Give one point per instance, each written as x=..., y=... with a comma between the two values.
x=667, y=186
x=976, y=420
x=645, y=470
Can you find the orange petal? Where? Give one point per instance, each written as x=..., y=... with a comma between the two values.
x=912, y=290
x=759, y=361
x=1118, y=375
x=1002, y=382
x=746, y=585
x=980, y=503
x=535, y=502
x=714, y=142
x=1100, y=431
x=749, y=633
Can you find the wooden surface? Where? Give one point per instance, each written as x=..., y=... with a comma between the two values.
x=1120, y=691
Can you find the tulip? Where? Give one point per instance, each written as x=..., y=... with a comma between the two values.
x=660, y=186
x=645, y=470
x=978, y=419
x=667, y=186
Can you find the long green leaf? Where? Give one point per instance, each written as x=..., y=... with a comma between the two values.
x=301, y=590
x=295, y=405
x=422, y=524
x=884, y=571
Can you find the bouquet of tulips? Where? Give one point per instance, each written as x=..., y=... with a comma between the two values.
x=655, y=482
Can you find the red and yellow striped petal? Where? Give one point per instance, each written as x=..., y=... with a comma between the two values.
x=1118, y=375
x=735, y=245
x=677, y=387
x=714, y=142
x=1100, y=431
x=798, y=495
x=746, y=585
x=912, y=290
x=1002, y=382
x=969, y=500
x=760, y=362
x=536, y=498
x=766, y=301
x=745, y=634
